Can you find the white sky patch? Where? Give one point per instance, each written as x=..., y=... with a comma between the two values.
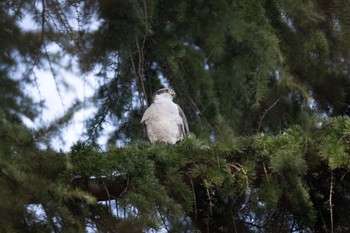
x=61, y=90
x=163, y=81
x=27, y=23
x=37, y=209
x=288, y=20
x=57, y=100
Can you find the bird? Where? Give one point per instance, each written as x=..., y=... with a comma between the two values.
x=164, y=121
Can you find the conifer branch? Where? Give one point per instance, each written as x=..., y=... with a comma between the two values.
x=193, y=193
x=107, y=192
x=141, y=59
x=265, y=171
x=139, y=71
x=98, y=187
x=164, y=223
x=195, y=108
x=210, y=201
x=62, y=18
x=254, y=225
x=54, y=76
x=239, y=167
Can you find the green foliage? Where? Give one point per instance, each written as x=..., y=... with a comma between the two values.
x=32, y=176
x=334, y=143
x=261, y=176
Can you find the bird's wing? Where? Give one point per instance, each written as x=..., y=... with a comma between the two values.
x=144, y=129
x=148, y=113
x=145, y=117
x=184, y=121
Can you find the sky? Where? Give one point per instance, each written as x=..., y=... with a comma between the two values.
x=58, y=98
x=59, y=92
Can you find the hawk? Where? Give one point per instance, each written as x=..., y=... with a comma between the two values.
x=164, y=121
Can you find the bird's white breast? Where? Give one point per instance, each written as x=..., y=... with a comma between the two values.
x=162, y=121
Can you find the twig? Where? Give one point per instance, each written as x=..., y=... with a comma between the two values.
x=264, y=114
x=139, y=71
x=331, y=201
x=210, y=202
x=210, y=208
x=194, y=196
x=164, y=221
x=265, y=170
x=54, y=76
x=42, y=21
x=239, y=167
x=194, y=199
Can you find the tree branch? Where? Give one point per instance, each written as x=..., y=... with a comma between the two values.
x=101, y=188
x=264, y=114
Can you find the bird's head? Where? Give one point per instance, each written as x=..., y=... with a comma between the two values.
x=164, y=93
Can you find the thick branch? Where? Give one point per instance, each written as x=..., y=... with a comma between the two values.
x=102, y=188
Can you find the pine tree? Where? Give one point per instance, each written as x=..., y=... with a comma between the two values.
x=264, y=85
